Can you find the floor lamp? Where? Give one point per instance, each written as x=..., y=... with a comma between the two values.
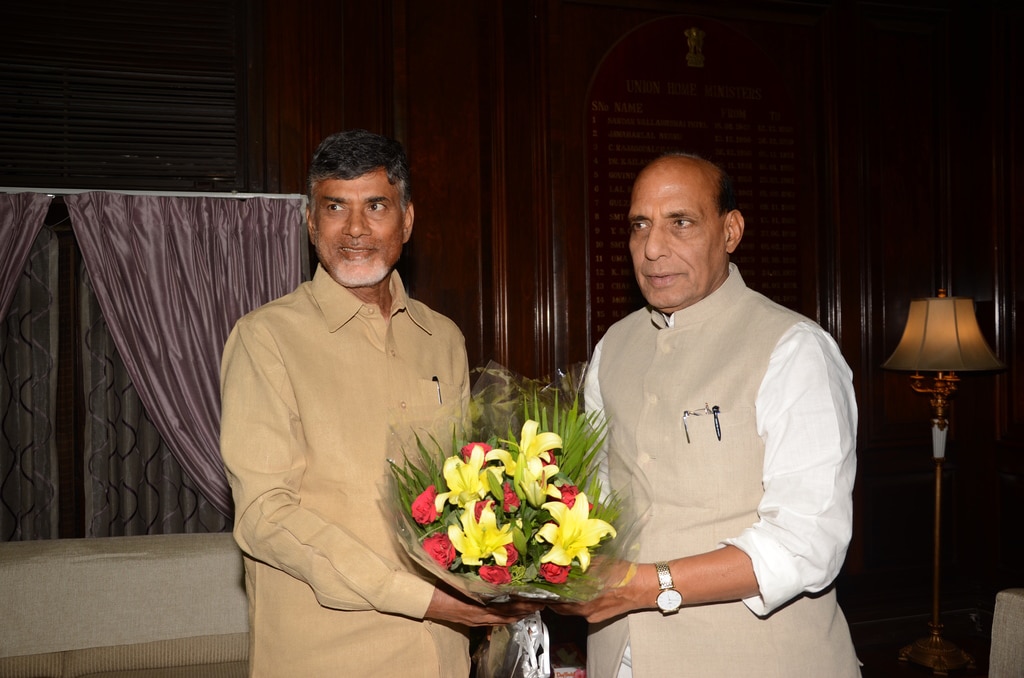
x=941, y=336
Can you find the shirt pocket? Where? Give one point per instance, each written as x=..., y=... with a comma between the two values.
x=716, y=458
x=437, y=392
x=701, y=426
x=435, y=411
x=434, y=391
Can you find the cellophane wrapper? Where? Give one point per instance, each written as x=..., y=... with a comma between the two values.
x=519, y=650
x=501, y=403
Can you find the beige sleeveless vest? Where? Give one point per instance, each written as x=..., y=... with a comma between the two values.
x=704, y=489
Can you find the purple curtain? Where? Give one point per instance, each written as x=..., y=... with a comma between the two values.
x=172, y=275
x=21, y=217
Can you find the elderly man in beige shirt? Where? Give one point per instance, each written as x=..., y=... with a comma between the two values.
x=310, y=384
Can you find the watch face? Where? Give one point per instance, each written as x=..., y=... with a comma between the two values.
x=669, y=600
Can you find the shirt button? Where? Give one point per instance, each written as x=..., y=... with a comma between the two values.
x=402, y=404
x=644, y=459
x=393, y=353
x=652, y=399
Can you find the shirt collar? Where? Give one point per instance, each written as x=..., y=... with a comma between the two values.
x=338, y=305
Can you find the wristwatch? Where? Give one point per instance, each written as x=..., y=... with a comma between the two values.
x=669, y=600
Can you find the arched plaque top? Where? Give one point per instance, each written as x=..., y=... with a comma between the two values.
x=688, y=83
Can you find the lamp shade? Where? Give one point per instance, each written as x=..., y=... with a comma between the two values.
x=942, y=335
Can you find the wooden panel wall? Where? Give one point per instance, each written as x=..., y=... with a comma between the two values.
x=897, y=207
x=916, y=151
x=1003, y=137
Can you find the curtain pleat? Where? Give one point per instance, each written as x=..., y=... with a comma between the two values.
x=21, y=217
x=28, y=465
x=28, y=390
x=135, y=485
x=172, y=275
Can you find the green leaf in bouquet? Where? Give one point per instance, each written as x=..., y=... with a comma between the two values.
x=582, y=438
x=424, y=469
x=531, y=572
x=450, y=516
x=519, y=540
x=495, y=488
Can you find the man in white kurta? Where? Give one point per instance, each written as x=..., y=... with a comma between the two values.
x=739, y=415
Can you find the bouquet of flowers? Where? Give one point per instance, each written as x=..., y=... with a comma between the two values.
x=516, y=505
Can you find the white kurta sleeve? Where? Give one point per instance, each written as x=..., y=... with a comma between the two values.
x=807, y=417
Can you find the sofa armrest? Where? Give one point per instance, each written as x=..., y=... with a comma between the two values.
x=1006, y=657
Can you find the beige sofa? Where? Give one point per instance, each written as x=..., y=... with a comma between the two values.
x=1006, y=658
x=167, y=606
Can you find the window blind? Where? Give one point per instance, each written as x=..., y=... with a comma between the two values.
x=122, y=94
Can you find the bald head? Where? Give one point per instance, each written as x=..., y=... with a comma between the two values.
x=725, y=194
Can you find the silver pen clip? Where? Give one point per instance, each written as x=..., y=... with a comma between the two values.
x=707, y=409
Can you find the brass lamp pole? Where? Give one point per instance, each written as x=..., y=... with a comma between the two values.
x=935, y=651
x=942, y=335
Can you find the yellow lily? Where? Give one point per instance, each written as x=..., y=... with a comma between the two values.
x=531, y=481
x=508, y=462
x=481, y=539
x=532, y=444
x=465, y=479
x=573, y=533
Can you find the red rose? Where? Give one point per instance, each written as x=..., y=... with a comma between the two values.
x=569, y=493
x=424, y=510
x=479, y=508
x=494, y=574
x=556, y=574
x=439, y=547
x=511, y=499
x=467, y=450
x=513, y=555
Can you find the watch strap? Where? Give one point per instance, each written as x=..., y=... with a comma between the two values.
x=664, y=576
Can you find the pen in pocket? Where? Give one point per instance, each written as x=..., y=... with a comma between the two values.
x=707, y=409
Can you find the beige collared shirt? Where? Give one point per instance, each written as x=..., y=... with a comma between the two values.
x=312, y=384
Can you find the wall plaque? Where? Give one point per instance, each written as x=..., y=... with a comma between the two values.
x=691, y=84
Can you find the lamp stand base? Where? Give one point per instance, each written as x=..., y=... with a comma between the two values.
x=937, y=653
